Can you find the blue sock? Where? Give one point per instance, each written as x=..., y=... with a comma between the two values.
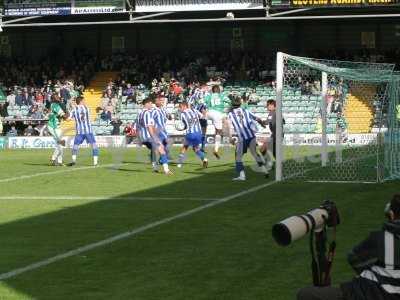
x=166, y=147
x=95, y=151
x=163, y=159
x=239, y=166
x=203, y=142
x=200, y=154
x=75, y=150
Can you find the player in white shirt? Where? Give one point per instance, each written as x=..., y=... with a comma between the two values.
x=244, y=124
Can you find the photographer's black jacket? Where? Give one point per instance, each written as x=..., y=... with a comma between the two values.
x=377, y=261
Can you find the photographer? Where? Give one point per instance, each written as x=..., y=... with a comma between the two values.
x=377, y=263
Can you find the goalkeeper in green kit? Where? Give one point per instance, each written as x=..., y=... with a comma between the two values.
x=53, y=126
x=216, y=103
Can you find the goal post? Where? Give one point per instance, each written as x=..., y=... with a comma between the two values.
x=279, y=118
x=336, y=120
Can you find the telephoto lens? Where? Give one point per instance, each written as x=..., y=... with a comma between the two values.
x=295, y=227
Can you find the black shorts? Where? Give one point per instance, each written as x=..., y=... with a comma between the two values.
x=273, y=145
x=203, y=123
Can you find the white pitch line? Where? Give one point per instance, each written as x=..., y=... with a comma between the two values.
x=64, y=170
x=129, y=234
x=108, y=198
x=341, y=181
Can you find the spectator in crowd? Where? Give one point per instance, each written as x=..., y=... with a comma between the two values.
x=39, y=97
x=29, y=131
x=316, y=88
x=330, y=98
x=306, y=88
x=3, y=109
x=129, y=92
x=19, y=98
x=129, y=132
x=105, y=115
x=35, y=113
x=11, y=98
x=12, y=132
x=253, y=98
x=116, y=124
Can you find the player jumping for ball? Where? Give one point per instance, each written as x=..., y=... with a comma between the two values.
x=215, y=103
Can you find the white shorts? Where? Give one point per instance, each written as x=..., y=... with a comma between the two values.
x=55, y=133
x=216, y=117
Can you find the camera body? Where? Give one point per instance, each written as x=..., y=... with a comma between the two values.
x=295, y=227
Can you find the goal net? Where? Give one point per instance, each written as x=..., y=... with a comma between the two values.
x=391, y=115
x=336, y=120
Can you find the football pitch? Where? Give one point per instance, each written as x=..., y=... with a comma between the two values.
x=119, y=231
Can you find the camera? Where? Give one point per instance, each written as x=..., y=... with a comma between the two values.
x=295, y=227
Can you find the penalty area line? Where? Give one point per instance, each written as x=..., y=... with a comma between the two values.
x=129, y=233
x=98, y=198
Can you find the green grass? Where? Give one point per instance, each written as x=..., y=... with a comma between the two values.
x=223, y=252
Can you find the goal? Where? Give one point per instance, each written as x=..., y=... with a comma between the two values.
x=337, y=121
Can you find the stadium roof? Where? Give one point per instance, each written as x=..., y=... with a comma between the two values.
x=266, y=12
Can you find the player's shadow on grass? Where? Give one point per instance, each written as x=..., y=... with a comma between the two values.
x=127, y=170
x=150, y=265
x=29, y=240
x=37, y=164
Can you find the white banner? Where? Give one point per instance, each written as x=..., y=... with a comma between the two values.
x=97, y=10
x=45, y=142
x=196, y=5
x=30, y=142
x=38, y=142
x=315, y=139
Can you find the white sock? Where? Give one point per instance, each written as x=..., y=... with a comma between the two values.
x=242, y=174
x=218, y=139
x=55, y=154
x=73, y=158
x=60, y=154
x=166, y=168
x=95, y=160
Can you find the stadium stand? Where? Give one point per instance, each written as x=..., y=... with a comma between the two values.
x=359, y=112
x=119, y=101
x=92, y=94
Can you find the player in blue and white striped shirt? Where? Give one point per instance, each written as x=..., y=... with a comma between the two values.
x=160, y=116
x=244, y=124
x=149, y=136
x=191, y=121
x=196, y=101
x=84, y=132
